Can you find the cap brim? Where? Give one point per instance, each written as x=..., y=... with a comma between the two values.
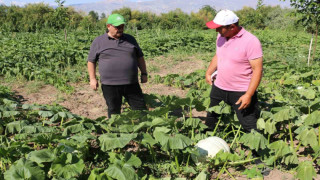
x=118, y=23
x=212, y=25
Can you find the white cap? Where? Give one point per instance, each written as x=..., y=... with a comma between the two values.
x=223, y=18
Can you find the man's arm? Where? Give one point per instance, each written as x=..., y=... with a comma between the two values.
x=92, y=75
x=212, y=67
x=143, y=69
x=256, y=66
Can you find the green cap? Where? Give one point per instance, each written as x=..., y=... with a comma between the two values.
x=116, y=20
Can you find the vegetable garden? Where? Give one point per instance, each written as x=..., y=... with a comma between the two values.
x=49, y=142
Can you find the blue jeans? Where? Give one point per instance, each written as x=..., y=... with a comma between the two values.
x=131, y=92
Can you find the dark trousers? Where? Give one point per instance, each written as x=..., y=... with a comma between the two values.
x=113, y=95
x=247, y=117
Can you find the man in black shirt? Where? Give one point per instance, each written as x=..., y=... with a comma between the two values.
x=119, y=57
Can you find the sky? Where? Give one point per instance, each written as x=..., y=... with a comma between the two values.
x=52, y=3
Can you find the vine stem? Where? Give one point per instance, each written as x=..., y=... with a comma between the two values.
x=229, y=173
x=236, y=137
x=215, y=129
x=319, y=136
x=291, y=138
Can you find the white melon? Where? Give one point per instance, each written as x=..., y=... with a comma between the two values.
x=209, y=147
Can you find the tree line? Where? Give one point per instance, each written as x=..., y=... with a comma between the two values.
x=42, y=17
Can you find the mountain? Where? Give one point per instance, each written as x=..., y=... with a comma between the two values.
x=163, y=6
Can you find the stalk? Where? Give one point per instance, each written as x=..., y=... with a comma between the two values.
x=222, y=170
x=188, y=160
x=224, y=137
x=236, y=137
x=176, y=159
x=229, y=174
x=192, y=133
x=215, y=129
x=61, y=122
x=226, y=128
x=152, y=153
x=242, y=162
x=319, y=136
x=298, y=147
x=291, y=138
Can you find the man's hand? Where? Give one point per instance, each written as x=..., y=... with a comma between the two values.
x=209, y=79
x=245, y=101
x=94, y=84
x=144, y=78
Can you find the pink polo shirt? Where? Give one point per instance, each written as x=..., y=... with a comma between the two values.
x=234, y=69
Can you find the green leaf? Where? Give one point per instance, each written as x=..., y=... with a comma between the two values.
x=285, y=114
x=254, y=140
x=24, y=169
x=16, y=126
x=67, y=166
x=202, y=175
x=307, y=93
x=261, y=124
x=77, y=128
x=65, y=115
x=173, y=141
x=252, y=173
x=45, y=114
x=44, y=155
x=222, y=108
x=270, y=127
x=97, y=174
x=147, y=139
x=112, y=141
x=141, y=126
x=192, y=122
x=308, y=136
x=313, y=118
x=121, y=173
x=316, y=82
x=132, y=160
x=126, y=128
x=10, y=113
x=306, y=171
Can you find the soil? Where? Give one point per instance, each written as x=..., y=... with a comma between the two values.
x=89, y=103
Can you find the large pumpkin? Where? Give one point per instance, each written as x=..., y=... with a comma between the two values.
x=209, y=147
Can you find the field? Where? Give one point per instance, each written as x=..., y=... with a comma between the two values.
x=53, y=126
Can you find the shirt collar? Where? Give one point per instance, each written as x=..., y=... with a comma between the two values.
x=123, y=37
x=240, y=33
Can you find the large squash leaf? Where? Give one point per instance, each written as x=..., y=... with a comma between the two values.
x=112, y=141
x=125, y=172
x=306, y=171
x=308, y=136
x=16, y=126
x=172, y=141
x=24, y=169
x=67, y=166
x=44, y=155
x=254, y=140
x=313, y=118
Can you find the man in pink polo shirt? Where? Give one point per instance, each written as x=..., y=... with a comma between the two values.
x=238, y=60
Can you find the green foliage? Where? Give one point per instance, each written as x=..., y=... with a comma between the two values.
x=252, y=173
x=254, y=140
x=306, y=171
x=24, y=169
x=41, y=17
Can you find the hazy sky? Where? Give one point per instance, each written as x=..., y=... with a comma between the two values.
x=68, y=2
